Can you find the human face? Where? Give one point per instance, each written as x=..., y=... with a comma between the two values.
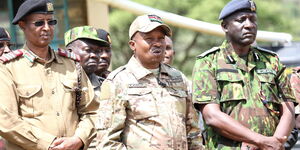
x=4, y=47
x=105, y=56
x=149, y=48
x=38, y=36
x=89, y=53
x=241, y=28
x=169, y=53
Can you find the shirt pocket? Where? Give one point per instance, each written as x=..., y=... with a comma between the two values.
x=269, y=90
x=29, y=99
x=180, y=99
x=69, y=93
x=231, y=87
x=142, y=103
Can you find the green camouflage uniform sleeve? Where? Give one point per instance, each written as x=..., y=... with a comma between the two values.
x=194, y=137
x=283, y=83
x=205, y=88
x=112, y=117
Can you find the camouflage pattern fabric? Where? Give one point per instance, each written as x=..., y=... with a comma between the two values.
x=136, y=113
x=295, y=82
x=240, y=86
x=86, y=32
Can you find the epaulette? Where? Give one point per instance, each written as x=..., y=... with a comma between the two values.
x=68, y=54
x=11, y=55
x=265, y=50
x=113, y=74
x=214, y=49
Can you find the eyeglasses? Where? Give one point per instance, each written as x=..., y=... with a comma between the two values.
x=42, y=22
x=3, y=44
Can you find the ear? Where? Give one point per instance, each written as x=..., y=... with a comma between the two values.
x=132, y=45
x=224, y=26
x=22, y=25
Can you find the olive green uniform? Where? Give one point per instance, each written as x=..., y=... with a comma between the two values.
x=250, y=90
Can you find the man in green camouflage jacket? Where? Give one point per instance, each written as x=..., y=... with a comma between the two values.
x=241, y=90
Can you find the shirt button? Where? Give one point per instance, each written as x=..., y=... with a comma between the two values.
x=53, y=92
x=57, y=113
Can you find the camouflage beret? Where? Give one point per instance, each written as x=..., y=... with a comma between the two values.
x=237, y=5
x=4, y=36
x=33, y=6
x=84, y=32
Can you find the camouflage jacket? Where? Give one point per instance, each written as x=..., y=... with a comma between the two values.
x=137, y=113
x=249, y=90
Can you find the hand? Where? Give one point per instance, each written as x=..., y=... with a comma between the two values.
x=66, y=143
x=247, y=146
x=272, y=143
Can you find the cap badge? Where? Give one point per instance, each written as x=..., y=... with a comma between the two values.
x=252, y=5
x=108, y=39
x=50, y=7
x=154, y=18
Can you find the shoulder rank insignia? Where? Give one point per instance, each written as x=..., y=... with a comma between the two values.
x=68, y=54
x=11, y=55
x=208, y=52
x=265, y=50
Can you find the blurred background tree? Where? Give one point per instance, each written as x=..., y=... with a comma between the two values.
x=273, y=15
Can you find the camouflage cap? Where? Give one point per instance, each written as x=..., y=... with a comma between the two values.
x=147, y=23
x=83, y=32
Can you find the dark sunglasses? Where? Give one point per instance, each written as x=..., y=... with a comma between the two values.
x=3, y=44
x=42, y=22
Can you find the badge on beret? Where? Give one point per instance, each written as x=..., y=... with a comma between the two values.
x=108, y=39
x=252, y=5
x=50, y=7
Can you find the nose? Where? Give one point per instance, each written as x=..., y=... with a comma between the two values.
x=94, y=55
x=104, y=55
x=46, y=26
x=6, y=49
x=249, y=23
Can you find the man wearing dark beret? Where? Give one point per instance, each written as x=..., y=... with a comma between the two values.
x=4, y=41
x=47, y=101
x=242, y=91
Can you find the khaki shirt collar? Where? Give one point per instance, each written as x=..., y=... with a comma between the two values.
x=32, y=58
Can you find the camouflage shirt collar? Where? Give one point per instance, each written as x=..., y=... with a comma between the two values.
x=137, y=69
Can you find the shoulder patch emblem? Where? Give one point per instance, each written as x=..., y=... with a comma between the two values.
x=11, y=55
x=68, y=54
x=214, y=49
x=265, y=50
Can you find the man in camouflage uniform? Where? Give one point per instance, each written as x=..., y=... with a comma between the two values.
x=47, y=102
x=241, y=90
x=145, y=104
x=86, y=42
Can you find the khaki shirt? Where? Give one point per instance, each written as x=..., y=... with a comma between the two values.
x=38, y=102
x=137, y=113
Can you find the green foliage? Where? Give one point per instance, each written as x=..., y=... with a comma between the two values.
x=274, y=15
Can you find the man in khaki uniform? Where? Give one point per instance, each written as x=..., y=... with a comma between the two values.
x=145, y=104
x=46, y=100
